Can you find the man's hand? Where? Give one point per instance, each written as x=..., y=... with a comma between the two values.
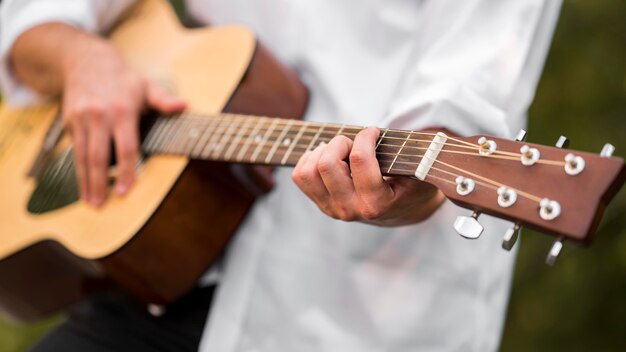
x=102, y=100
x=358, y=191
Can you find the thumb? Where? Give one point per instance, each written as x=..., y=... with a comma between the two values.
x=162, y=100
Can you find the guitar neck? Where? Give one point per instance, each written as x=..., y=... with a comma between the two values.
x=271, y=141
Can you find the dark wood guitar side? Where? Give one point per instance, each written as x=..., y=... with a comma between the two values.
x=179, y=242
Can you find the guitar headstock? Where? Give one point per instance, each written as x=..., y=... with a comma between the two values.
x=551, y=189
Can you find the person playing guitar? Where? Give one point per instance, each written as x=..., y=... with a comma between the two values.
x=389, y=275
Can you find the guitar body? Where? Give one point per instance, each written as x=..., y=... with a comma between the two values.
x=159, y=239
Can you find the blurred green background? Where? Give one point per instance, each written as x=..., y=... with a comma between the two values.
x=580, y=304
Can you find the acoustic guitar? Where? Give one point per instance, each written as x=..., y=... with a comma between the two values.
x=189, y=197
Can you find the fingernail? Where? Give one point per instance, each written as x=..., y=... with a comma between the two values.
x=177, y=101
x=97, y=201
x=121, y=189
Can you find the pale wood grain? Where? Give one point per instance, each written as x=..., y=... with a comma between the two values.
x=203, y=66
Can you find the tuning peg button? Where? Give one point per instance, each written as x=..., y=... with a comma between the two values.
x=521, y=135
x=553, y=255
x=562, y=143
x=510, y=237
x=607, y=150
x=468, y=226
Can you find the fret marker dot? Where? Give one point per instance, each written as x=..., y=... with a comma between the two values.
x=286, y=142
x=258, y=139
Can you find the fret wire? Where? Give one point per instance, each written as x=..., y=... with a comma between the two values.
x=155, y=130
x=305, y=128
x=186, y=137
x=156, y=137
x=314, y=140
x=193, y=135
x=383, y=144
x=357, y=128
x=277, y=142
x=206, y=134
x=340, y=130
x=381, y=138
x=330, y=135
x=170, y=130
x=248, y=140
x=167, y=131
x=265, y=137
x=281, y=120
x=347, y=134
x=210, y=144
x=175, y=128
x=385, y=138
x=222, y=143
x=294, y=143
x=175, y=137
x=399, y=151
x=237, y=140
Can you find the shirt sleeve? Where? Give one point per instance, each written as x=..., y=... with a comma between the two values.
x=17, y=16
x=476, y=66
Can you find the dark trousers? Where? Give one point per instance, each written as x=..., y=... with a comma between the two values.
x=114, y=321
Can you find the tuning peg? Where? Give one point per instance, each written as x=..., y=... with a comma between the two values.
x=607, y=150
x=553, y=255
x=521, y=135
x=510, y=237
x=562, y=143
x=468, y=226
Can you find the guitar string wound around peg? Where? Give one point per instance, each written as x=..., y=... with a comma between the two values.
x=530, y=156
x=506, y=196
x=574, y=164
x=549, y=209
x=486, y=147
x=464, y=186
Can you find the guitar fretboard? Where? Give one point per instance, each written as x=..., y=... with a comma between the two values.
x=271, y=141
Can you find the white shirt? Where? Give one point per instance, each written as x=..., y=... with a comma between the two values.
x=296, y=280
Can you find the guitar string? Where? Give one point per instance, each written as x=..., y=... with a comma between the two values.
x=273, y=144
x=490, y=183
x=269, y=144
x=394, y=154
x=237, y=117
x=231, y=117
x=342, y=127
x=513, y=156
x=415, y=164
